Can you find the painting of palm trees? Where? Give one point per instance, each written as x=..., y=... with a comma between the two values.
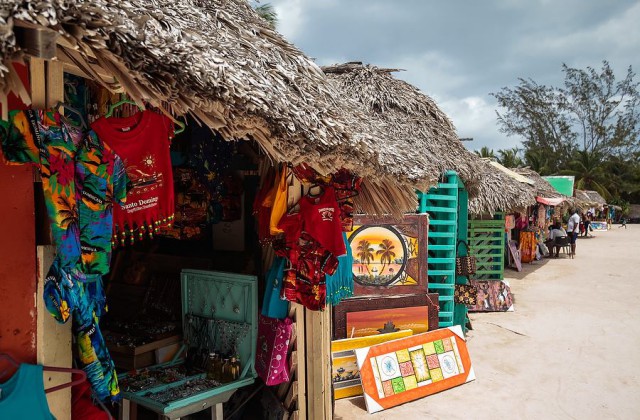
x=380, y=254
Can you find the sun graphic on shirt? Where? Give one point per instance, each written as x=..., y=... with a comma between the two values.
x=149, y=161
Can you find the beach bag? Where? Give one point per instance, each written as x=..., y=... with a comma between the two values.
x=465, y=266
x=465, y=294
x=272, y=305
x=272, y=350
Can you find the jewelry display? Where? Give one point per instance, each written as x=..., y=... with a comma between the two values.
x=149, y=378
x=214, y=335
x=185, y=390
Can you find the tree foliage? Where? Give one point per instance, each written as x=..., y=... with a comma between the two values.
x=268, y=13
x=589, y=128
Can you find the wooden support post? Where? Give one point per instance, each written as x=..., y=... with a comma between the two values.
x=53, y=342
x=318, y=339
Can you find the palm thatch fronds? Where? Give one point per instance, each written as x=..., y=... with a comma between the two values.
x=499, y=191
x=409, y=135
x=541, y=186
x=215, y=59
x=585, y=199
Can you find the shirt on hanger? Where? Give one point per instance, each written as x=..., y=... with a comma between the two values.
x=142, y=141
x=23, y=397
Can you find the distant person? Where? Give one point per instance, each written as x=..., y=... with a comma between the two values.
x=587, y=225
x=556, y=232
x=573, y=227
x=623, y=223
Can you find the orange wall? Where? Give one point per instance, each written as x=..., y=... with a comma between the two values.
x=17, y=257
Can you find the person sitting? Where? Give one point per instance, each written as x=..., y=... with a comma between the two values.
x=556, y=232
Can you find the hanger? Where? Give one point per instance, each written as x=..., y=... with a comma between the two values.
x=83, y=375
x=73, y=110
x=121, y=102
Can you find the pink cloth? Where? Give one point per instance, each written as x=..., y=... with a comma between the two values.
x=273, y=347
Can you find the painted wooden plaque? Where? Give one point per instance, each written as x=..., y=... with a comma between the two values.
x=411, y=368
x=389, y=255
x=365, y=316
x=345, y=374
x=599, y=226
x=493, y=296
x=514, y=254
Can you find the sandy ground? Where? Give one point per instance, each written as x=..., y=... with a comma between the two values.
x=571, y=349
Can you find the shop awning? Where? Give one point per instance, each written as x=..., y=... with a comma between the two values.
x=550, y=201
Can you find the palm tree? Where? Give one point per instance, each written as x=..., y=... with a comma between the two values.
x=386, y=253
x=268, y=13
x=538, y=161
x=485, y=152
x=365, y=253
x=510, y=158
x=589, y=171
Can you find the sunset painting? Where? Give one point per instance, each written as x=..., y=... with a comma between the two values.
x=380, y=255
x=379, y=321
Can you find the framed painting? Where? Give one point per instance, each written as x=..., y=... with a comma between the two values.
x=366, y=316
x=493, y=296
x=411, y=368
x=389, y=256
x=345, y=375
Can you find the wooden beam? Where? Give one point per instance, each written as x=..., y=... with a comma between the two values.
x=37, y=76
x=36, y=41
x=301, y=355
x=55, y=83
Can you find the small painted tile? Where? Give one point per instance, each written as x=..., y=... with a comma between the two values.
x=448, y=364
x=419, y=361
x=410, y=382
x=433, y=361
x=439, y=346
x=388, y=388
x=388, y=366
x=403, y=356
x=406, y=368
x=436, y=375
x=446, y=342
x=398, y=385
x=429, y=348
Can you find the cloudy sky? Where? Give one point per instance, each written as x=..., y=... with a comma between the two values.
x=459, y=51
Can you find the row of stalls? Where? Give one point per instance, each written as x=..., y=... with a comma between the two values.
x=238, y=226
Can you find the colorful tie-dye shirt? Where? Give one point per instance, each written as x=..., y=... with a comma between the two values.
x=81, y=177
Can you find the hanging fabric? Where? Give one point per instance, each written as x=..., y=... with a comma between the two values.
x=142, y=141
x=340, y=284
x=279, y=206
x=272, y=305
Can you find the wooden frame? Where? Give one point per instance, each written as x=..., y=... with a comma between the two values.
x=411, y=226
x=430, y=300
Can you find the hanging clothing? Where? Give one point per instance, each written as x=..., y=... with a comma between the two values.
x=279, y=206
x=347, y=186
x=23, y=397
x=528, y=246
x=142, y=141
x=81, y=177
x=261, y=211
x=320, y=218
x=272, y=305
x=340, y=284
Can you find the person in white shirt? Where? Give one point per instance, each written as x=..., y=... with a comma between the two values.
x=573, y=228
x=556, y=232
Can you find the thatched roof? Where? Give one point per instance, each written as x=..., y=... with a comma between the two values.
x=410, y=136
x=541, y=186
x=500, y=191
x=588, y=198
x=219, y=61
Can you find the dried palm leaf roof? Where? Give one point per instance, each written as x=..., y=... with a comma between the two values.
x=588, y=198
x=408, y=134
x=499, y=190
x=219, y=61
x=541, y=186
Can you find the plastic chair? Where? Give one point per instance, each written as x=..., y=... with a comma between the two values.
x=563, y=242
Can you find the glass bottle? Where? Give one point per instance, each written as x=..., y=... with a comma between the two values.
x=211, y=365
x=235, y=363
x=226, y=372
x=217, y=369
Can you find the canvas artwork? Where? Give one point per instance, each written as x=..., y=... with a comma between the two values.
x=388, y=254
x=599, y=226
x=345, y=374
x=365, y=316
x=380, y=321
x=410, y=368
x=493, y=296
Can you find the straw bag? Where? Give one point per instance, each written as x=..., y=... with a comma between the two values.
x=465, y=266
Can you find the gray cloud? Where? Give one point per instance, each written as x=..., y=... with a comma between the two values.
x=460, y=51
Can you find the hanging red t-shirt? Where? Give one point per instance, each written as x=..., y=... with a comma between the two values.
x=142, y=141
x=321, y=219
